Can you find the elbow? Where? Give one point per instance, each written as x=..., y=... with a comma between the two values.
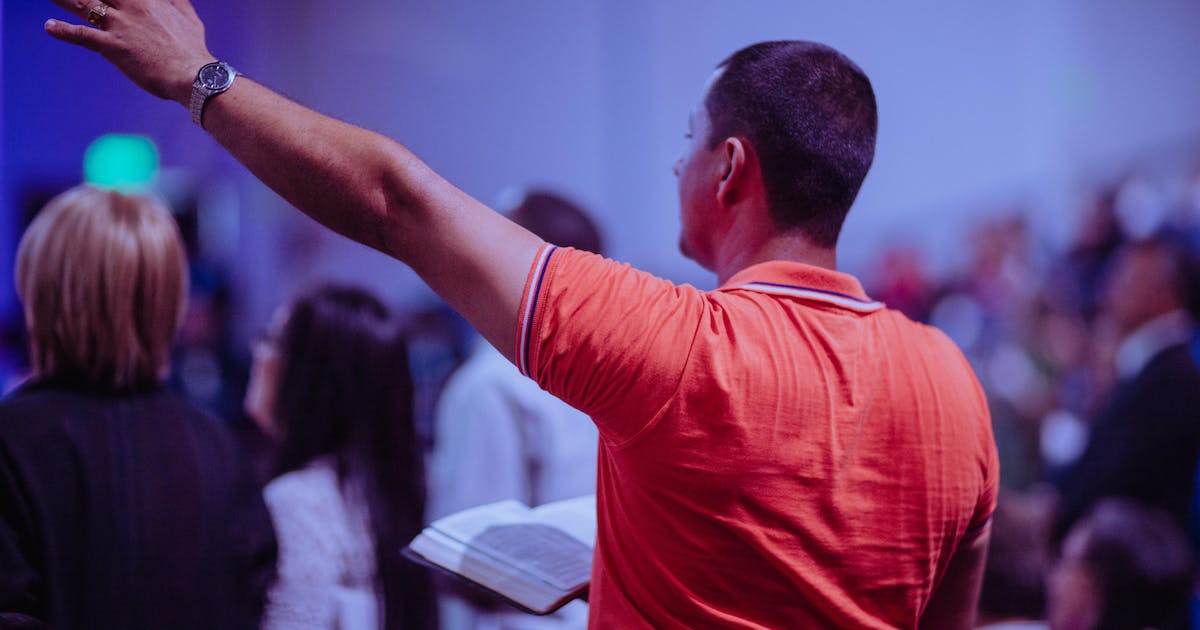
x=398, y=203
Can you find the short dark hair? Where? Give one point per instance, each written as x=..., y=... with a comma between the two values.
x=809, y=112
x=558, y=220
x=1142, y=562
x=1175, y=264
x=345, y=391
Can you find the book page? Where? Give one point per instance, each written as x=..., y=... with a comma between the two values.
x=545, y=552
x=536, y=558
x=518, y=586
x=576, y=517
x=552, y=543
x=467, y=524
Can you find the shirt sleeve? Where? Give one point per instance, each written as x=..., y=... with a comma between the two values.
x=991, y=492
x=989, y=462
x=606, y=338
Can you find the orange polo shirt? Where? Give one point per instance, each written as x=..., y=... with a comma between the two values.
x=782, y=452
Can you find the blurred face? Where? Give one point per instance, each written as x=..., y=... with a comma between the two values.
x=698, y=172
x=262, y=389
x=1137, y=288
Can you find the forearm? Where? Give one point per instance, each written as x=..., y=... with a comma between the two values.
x=355, y=182
x=373, y=190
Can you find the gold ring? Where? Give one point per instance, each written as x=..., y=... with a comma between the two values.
x=96, y=15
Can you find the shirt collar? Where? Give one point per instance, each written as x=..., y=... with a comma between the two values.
x=1149, y=339
x=804, y=281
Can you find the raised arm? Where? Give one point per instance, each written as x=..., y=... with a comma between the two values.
x=357, y=183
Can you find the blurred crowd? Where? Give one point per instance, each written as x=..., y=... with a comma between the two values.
x=1087, y=354
x=1040, y=322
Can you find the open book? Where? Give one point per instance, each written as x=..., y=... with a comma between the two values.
x=538, y=559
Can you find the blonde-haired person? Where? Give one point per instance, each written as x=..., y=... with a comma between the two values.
x=120, y=505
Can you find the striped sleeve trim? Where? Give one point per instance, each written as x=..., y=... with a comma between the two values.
x=533, y=291
x=978, y=527
x=818, y=295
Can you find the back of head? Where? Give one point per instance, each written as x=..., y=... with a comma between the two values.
x=1142, y=563
x=1148, y=278
x=1176, y=270
x=344, y=371
x=809, y=112
x=103, y=279
x=558, y=220
x=345, y=390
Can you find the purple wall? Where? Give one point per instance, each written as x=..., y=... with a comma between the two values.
x=977, y=103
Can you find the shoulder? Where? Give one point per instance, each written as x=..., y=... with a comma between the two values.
x=309, y=489
x=48, y=402
x=934, y=344
x=586, y=274
x=212, y=436
x=603, y=303
x=35, y=400
x=312, y=515
x=1169, y=386
x=950, y=373
x=38, y=413
x=1174, y=362
x=918, y=332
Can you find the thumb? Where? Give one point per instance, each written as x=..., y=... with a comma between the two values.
x=91, y=38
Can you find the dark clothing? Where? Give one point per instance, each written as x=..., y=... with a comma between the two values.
x=1144, y=445
x=128, y=510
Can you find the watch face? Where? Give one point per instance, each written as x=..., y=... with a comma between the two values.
x=214, y=76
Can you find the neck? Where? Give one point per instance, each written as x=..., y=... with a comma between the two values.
x=791, y=247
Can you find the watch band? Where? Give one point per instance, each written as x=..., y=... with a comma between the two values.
x=202, y=93
x=196, y=107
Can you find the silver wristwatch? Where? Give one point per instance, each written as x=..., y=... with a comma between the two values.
x=211, y=80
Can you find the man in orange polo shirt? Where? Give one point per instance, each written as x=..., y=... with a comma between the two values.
x=781, y=452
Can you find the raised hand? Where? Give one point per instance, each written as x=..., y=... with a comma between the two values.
x=159, y=44
x=357, y=183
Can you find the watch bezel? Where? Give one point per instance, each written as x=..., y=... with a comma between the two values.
x=207, y=76
x=205, y=86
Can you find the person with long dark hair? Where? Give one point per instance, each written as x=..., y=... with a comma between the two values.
x=331, y=384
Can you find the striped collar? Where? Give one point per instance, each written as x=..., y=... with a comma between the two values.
x=804, y=281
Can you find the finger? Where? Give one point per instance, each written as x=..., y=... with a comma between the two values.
x=90, y=38
x=78, y=7
x=81, y=8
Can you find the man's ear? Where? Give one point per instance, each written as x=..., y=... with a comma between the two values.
x=733, y=165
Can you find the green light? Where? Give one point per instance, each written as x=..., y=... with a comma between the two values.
x=120, y=161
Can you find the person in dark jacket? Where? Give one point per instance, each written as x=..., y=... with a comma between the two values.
x=1145, y=442
x=121, y=506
